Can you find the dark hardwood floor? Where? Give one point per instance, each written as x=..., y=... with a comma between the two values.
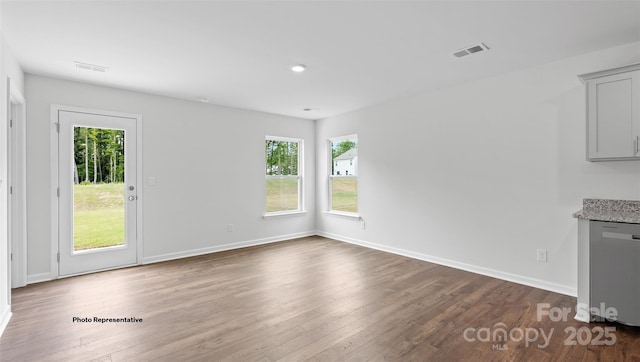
x=306, y=299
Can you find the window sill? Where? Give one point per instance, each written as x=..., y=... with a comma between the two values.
x=349, y=215
x=284, y=213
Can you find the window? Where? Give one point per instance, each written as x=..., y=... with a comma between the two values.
x=343, y=175
x=283, y=174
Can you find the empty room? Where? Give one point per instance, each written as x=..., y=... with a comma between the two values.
x=319, y=180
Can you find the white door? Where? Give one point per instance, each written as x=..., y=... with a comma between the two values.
x=98, y=191
x=17, y=188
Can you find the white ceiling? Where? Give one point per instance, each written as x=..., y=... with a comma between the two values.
x=358, y=53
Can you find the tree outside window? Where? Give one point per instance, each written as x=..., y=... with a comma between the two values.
x=283, y=174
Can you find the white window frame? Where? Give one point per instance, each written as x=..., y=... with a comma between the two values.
x=299, y=177
x=330, y=163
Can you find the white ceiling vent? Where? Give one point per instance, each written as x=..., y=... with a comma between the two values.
x=476, y=48
x=87, y=66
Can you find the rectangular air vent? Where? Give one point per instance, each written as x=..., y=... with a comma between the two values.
x=476, y=48
x=87, y=66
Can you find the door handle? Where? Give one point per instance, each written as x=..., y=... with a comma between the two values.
x=131, y=198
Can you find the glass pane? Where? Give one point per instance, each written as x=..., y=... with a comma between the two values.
x=344, y=156
x=282, y=194
x=344, y=194
x=344, y=169
x=98, y=190
x=281, y=157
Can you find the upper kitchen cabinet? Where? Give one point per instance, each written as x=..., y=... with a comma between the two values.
x=613, y=114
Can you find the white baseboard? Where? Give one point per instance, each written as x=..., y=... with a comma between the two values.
x=224, y=247
x=44, y=277
x=4, y=320
x=532, y=282
x=39, y=278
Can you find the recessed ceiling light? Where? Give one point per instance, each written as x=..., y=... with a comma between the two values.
x=203, y=99
x=299, y=68
x=87, y=66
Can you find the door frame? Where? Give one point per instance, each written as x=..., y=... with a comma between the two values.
x=55, y=209
x=17, y=179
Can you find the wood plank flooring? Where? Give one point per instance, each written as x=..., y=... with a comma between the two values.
x=306, y=299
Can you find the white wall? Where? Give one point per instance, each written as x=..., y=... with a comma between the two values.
x=5, y=303
x=9, y=69
x=501, y=168
x=208, y=162
x=492, y=171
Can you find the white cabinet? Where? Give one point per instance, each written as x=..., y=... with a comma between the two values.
x=613, y=114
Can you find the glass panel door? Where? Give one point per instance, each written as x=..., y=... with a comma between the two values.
x=98, y=191
x=98, y=188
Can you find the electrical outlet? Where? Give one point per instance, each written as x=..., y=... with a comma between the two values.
x=542, y=255
x=230, y=228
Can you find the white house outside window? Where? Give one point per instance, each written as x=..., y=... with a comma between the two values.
x=343, y=175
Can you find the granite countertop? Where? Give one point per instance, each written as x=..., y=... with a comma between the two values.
x=627, y=211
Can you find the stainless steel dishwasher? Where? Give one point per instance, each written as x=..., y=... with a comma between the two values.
x=615, y=270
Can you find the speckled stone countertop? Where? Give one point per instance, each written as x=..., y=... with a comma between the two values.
x=610, y=210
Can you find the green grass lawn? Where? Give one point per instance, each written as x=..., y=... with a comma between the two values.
x=282, y=194
x=99, y=222
x=344, y=194
x=98, y=216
